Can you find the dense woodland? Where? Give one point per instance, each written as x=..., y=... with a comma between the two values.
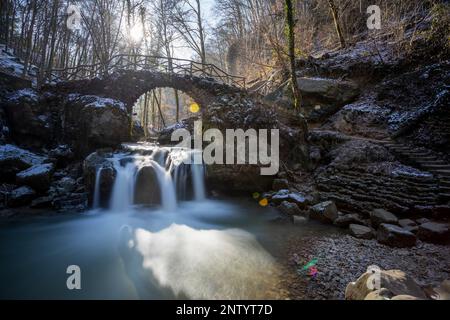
x=248, y=38
x=258, y=39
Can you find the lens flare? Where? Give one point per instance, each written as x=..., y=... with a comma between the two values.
x=194, y=107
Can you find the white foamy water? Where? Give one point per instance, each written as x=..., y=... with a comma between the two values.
x=174, y=177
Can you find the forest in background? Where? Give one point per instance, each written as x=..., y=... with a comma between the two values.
x=243, y=37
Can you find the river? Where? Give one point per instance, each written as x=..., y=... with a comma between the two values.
x=202, y=248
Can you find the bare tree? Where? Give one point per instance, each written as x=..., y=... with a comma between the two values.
x=29, y=43
x=290, y=25
x=166, y=32
x=188, y=22
x=337, y=24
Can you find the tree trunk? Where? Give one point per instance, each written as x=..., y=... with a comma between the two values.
x=337, y=25
x=290, y=24
x=29, y=43
x=54, y=35
x=303, y=143
x=201, y=33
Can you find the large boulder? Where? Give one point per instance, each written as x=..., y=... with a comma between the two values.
x=91, y=122
x=381, y=294
x=29, y=118
x=339, y=91
x=280, y=196
x=107, y=176
x=325, y=212
x=289, y=209
x=38, y=177
x=21, y=197
x=376, y=283
x=343, y=221
x=441, y=292
x=321, y=96
x=300, y=199
x=406, y=223
x=434, y=232
x=395, y=236
x=409, y=225
x=97, y=165
x=147, y=187
x=379, y=216
x=14, y=159
x=361, y=232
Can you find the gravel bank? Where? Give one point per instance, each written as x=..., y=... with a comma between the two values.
x=342, y=259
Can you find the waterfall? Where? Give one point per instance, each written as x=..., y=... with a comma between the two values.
x=173, y=177
x=197, y=179
x=180, y=176
x=167, y=187
x=96, y=203
x=123, y=190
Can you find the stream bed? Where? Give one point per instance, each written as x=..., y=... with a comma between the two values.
x=183, y=246
x=212, y=249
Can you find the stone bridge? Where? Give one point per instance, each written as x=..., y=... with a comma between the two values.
x=128, y=85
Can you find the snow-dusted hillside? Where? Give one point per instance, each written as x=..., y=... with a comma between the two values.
x=12, y=65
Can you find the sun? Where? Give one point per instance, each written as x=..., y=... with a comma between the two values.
x=136, y=33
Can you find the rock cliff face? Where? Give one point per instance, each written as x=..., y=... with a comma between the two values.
x=321, y=97
x=90, y=123
x=242, y=112
x=378, y=142
x=84, y=122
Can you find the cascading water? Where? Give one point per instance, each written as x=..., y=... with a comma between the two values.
x=96, y=203
x=197, y=178
x=123, y=190
x=209, y=249
x=166, y=187
x=174, y=176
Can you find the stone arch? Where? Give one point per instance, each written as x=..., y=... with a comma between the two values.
x=128, y=86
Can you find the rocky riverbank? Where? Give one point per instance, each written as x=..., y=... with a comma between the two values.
x=341, y=259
